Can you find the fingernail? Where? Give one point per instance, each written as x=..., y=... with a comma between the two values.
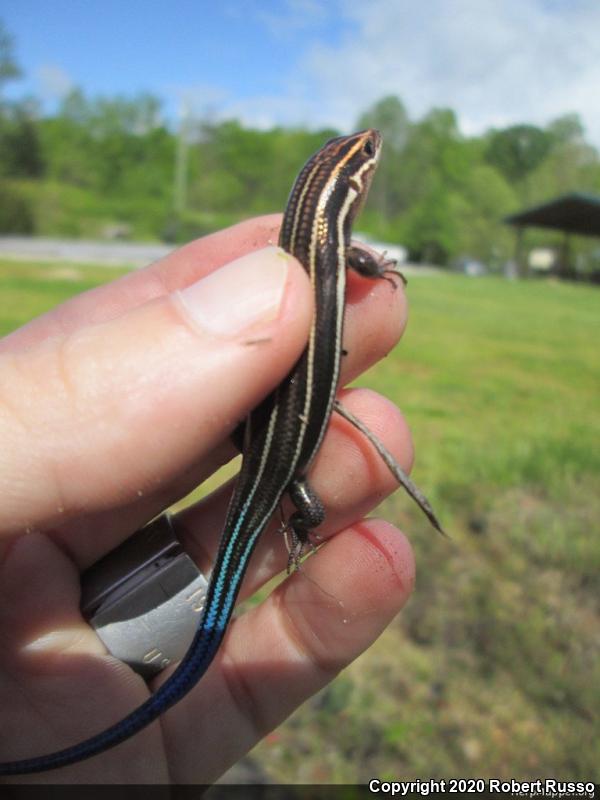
x=73, y=641
x=239, y=295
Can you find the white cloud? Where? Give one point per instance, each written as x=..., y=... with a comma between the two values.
x=55, y=83
x=495, y=62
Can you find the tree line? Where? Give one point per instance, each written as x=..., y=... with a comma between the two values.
x=112, y=165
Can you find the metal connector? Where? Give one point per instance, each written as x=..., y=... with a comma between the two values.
x=145, y=598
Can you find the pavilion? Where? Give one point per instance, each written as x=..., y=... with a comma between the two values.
x=575, y=213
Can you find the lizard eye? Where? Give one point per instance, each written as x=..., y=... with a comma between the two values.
x=368, y=148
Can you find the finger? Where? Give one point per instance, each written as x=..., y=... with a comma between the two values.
x=280, y=653
x=57, y=685
x=179, y=269
x=376, y=318
x=129, y=403
x=348, y=475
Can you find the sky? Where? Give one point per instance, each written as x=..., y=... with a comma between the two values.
x=316, y=63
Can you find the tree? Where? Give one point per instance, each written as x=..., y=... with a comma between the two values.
x=389, y=116
x=20, y=150
x=518, y=150
x=487, y=199
x=566, y=129
x=20, y=154
x=571, y=164
x=9, y=69
x=429, y=228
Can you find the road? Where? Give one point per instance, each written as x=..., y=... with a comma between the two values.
x=110, y=254
x=114, y=254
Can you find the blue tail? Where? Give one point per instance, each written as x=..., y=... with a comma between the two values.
x=195, y=663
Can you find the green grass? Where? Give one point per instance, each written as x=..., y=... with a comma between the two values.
x=28, y=288
x=493, y=668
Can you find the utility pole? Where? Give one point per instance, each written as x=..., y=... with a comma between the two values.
x=181, y=163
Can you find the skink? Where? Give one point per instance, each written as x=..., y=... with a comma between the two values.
x=283, y=434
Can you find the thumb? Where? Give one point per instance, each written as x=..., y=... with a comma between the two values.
x=90, y=417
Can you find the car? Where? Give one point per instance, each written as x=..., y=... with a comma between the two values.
x=469, y=266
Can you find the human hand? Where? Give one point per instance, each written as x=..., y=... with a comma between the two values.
x=116, y=404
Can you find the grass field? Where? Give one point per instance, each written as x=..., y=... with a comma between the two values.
x=493, y=669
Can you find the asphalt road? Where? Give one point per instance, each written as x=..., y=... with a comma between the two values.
x=115, y=254
x=120, y=254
